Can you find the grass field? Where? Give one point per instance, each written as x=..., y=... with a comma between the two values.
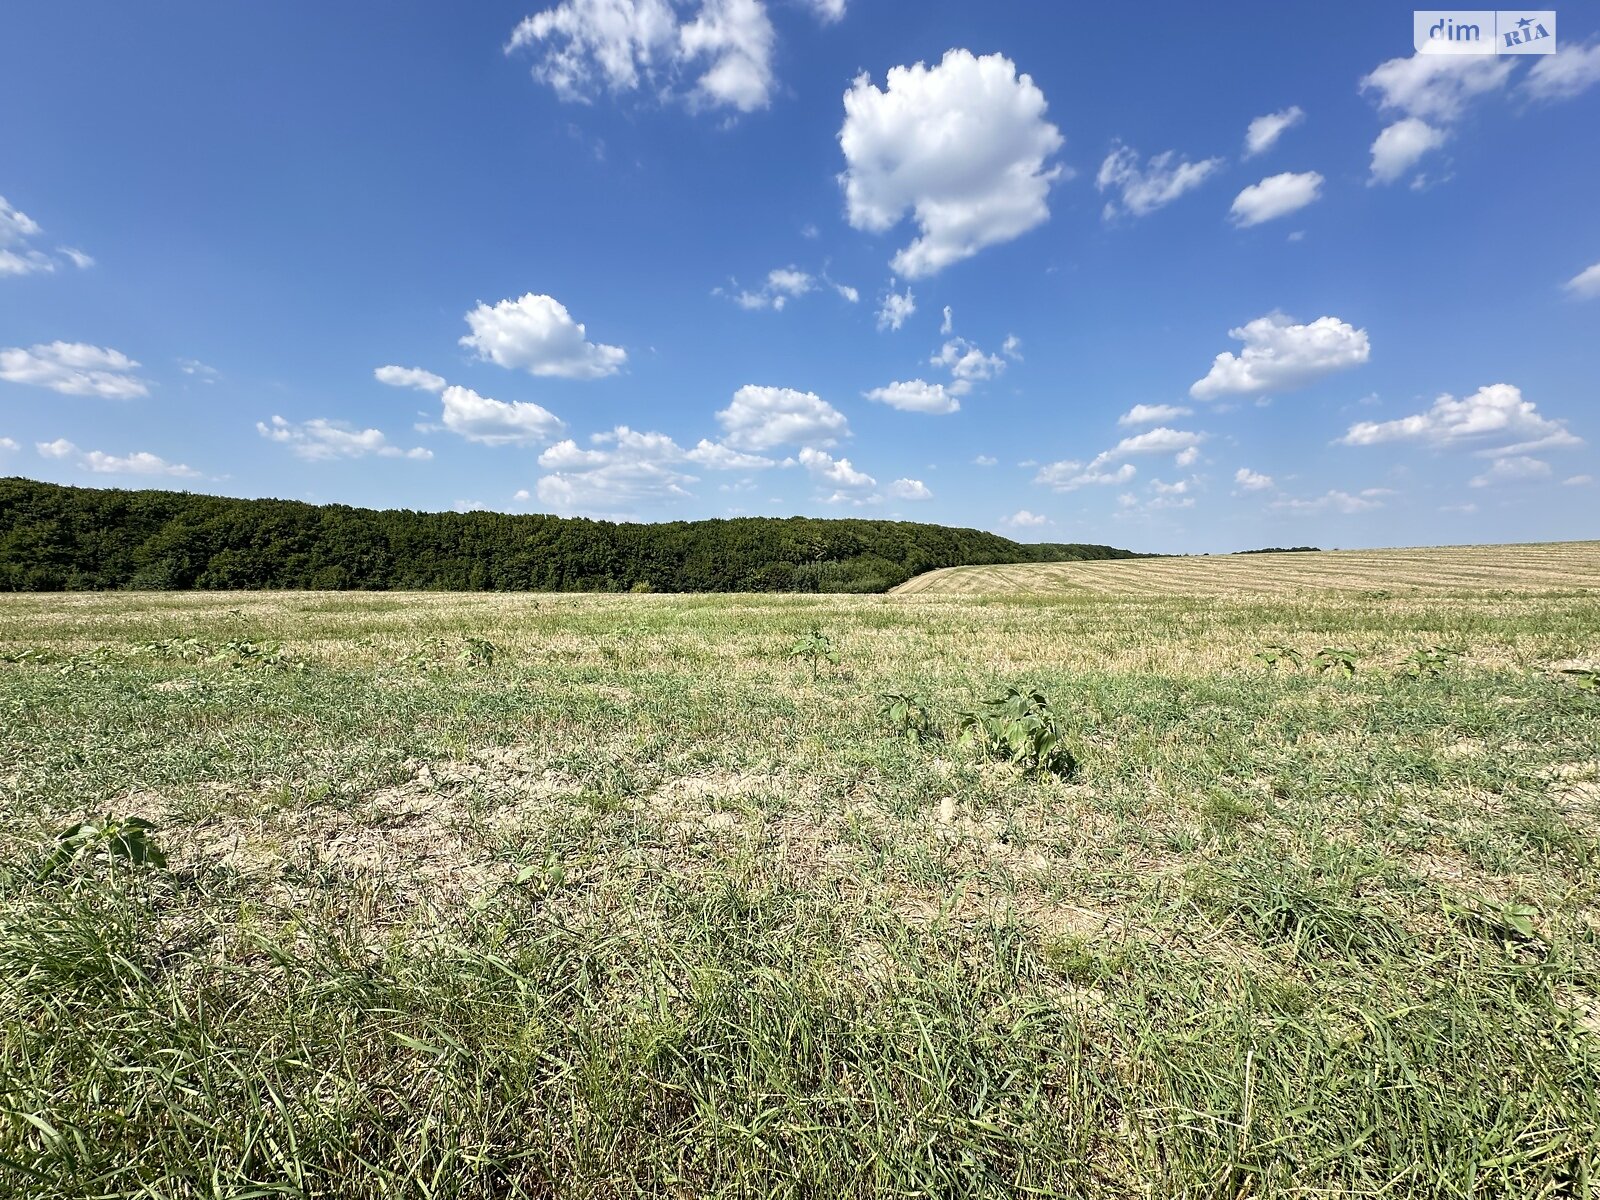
x=1553, y=566
x=628, y=903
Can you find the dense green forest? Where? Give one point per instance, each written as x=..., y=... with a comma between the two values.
x=56, y=538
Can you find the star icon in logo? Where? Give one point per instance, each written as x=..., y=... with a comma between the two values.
x=1524, y=23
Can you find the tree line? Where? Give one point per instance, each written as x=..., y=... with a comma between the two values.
x=55, y=538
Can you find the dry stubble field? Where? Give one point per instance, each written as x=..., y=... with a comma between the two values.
x=640, y=907
x=1540, y=567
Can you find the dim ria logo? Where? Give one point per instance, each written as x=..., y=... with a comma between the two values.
x=1484, y=31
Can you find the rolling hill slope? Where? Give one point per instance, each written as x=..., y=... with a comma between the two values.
x=1545, y=566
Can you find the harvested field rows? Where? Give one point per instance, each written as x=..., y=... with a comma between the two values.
x=1553, y=566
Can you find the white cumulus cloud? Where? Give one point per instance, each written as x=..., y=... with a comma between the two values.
x=1518, y=468
x=963, y=146
x=1569, y=72
x=734, y=40
x=409, y=377
x=1436, y=87
x=1069, y=476
x=718, y=457
x=1252, y=481
x=760, y=418
x=910, y=489
x=1165, y=496
x=836, y=472
x=791, y=281
x=497, y=422
x=627, y=468
x=321, y=440
x=24, y=262
x=74, y=369
x=1279, y=354
x=589, y=43
x=18, y=255
x=1143, y=189
x=537, y=334
x=1400, y=145
x=1265, y=131
x=721, y=57
x=782, y=285
x=1149, y=414
x=896, y=308
x=1023, y=519
x=140, y=462
x=1423, y=95
x=1160, y=440
x=1275, y=196
x=16, y=226
x=966, y=363
x=1495, y=413
x=1586, y=283
x=916, y=395
x=612, y=487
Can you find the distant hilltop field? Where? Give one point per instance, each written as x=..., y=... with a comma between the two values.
x=1547, y=566
x=55, y=538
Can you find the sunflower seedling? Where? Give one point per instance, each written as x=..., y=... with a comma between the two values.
x=1273, y=655
x=127, y=839
x=817, y=647
x=1019, y=727
x=907, y=716
x=265, y=654
x=1429, y=662
x=1512, y=924
x=1585, y=679
x=480, y=652
x=1340, y=662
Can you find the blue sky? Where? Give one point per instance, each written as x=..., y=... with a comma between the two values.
x=947, y=262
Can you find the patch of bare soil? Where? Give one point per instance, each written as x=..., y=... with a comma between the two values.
x=423, y=845
x=710, y=802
